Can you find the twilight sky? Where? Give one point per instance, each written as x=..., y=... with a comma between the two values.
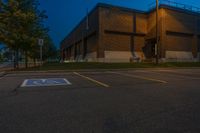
x=64, y=15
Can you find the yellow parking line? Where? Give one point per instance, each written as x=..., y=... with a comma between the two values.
x=92, y=80
x=140, y=77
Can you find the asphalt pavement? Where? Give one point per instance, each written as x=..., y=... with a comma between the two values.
x=133, y=101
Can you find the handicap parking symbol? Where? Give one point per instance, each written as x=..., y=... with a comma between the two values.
x=45, y=82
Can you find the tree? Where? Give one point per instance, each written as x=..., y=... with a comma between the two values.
x=32, y=28
x=10, y=26
x=21, y=26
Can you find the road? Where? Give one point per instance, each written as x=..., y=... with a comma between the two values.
x=133, y=101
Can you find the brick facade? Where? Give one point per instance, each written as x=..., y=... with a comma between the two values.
x=119, y=34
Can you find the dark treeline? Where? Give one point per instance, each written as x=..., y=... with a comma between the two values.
x=21, y=25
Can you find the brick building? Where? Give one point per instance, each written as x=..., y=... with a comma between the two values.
x=117, y=34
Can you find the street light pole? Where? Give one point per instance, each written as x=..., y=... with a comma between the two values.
x=157, y=34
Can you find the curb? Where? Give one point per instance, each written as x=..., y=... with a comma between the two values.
x=2, y=74
x=94, y=70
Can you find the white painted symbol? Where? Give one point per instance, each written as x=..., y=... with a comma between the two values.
x=45, y=82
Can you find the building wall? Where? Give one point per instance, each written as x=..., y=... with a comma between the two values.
x=80, y=38
x=141, y=27
x=151, y=26
x=117, y=34
x=92, y=47
x=198, y=43
x=117, y=42
x=121, y=35
x=180, y=33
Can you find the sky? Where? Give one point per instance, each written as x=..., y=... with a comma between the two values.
x=64, y=15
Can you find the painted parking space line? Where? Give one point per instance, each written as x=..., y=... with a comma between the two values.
x=176, y=74
x=92, y=80
x=140, y=77
x=45, y=82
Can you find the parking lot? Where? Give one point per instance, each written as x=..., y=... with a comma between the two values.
x=120, y=101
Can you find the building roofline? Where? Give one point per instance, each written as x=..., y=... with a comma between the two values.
x=82, y=20
x=104, y=5
x=121, y=8
x=175, y=9
x=179, y=9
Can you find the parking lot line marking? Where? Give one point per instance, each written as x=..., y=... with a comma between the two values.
x=24, y=83
x=140, y=77
x=92, y=80
x=175, y=74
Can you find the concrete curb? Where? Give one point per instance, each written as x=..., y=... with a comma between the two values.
x=2, y=74
x=96, y=70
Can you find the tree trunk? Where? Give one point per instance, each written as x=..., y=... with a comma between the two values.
x=17, y=58
x=14, y=59
x=26, y=59
x=16, y=64
x=34, y=60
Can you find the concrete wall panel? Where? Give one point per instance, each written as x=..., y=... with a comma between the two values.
x=179, y=56
x=91, y=57
x=118, y=56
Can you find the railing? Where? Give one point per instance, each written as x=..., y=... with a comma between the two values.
x=176, y=5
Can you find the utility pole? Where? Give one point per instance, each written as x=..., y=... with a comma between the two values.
x=86, y=29
x=87, y=21
x=85, y=32
x=157, y=34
